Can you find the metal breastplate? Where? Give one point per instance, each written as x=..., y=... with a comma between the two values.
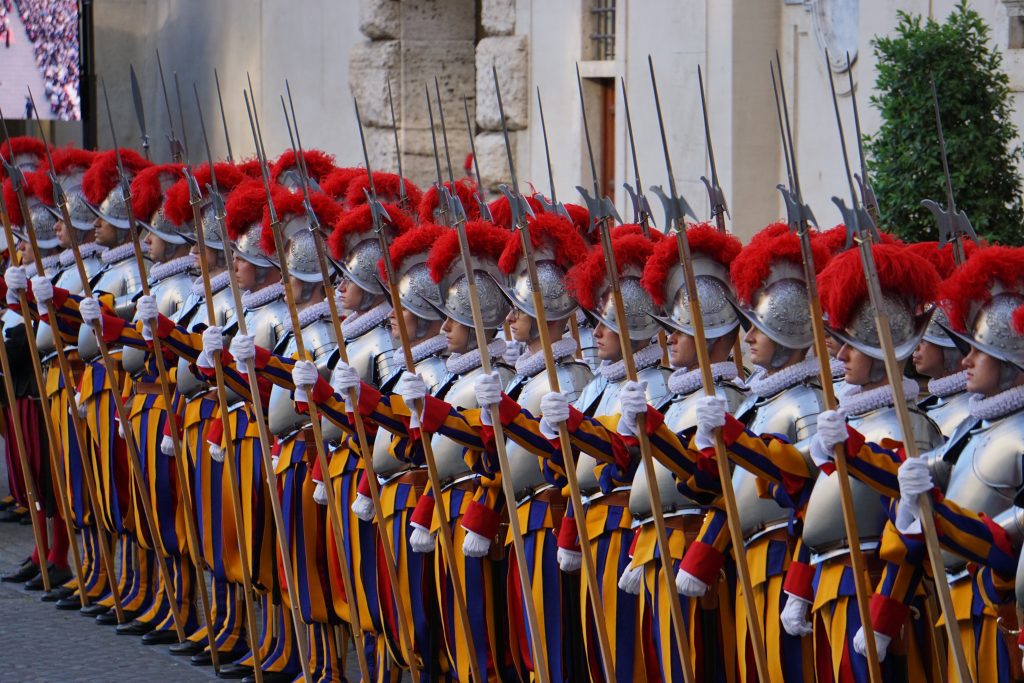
x=987, y=475
x=950, y=411
x=69, y=279
x=791, y=413
x=193, y=317
x=608, y=404
x=372, y=355
x=319, y=340
x=823, y=523
x=447, y=454
x=269, y=323
x=170, y=294
x=432, y=370
x=572, y=377
x=680, y=416
x=122, y=281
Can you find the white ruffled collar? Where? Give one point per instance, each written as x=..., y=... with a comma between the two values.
x=837, y=367
x=530, y=363
x=217, y=283
x=647, y=357
x=121, y=253
x=434, y=346
x=948, y=385
x=994, y=407
x=262, y=296
x=762, y=384
x=67, y=257
x=684, y=382
x=49, y=264
x=162, y=271
x=308, y=315
x=856, y=401
x=462, y=363
x=359, y=324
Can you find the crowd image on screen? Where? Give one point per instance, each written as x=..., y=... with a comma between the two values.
x=52, y=28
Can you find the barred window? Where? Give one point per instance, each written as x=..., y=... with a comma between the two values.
x=602, y=34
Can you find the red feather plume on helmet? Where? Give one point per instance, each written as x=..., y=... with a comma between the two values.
x=653, y=234
x=387, y=188
x=419, y=240
x=972, y=283
x=777, y=242
x=244, y=206
x=290, y=204
x=21, y=145
x=584, y=280
x=178, y=204
x=250, y=168
x=704, y=238
x=11, y=200
x=501, y=212
x=580, y=217
x=318, y=164
x=835, y=238
x=551, y=230
x=464, y=188
x=360, y=220
x=68, y=159
x=148, y=188
x=335, y=185
x=38, y=185
x=843, y=287
x=486, y=241
x=941, y=258
x=102, y=175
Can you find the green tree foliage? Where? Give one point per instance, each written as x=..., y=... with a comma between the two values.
x=981, y=141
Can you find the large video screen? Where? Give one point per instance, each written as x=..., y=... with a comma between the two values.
x=39, y=49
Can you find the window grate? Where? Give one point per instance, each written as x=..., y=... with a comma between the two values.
x=602, y=38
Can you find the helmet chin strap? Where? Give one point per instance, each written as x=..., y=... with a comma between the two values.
x=877, y=371
x=1008, y=375
x=951, y=359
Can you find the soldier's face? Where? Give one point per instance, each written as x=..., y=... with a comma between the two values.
x=760, y=347
x=929, y=360
x=607, y=342
x=351, y=295
x=25, y=255
x=520, y=324
x=457, y=336
x=245, y=274
x=158, y=249
x=856, y=365
x=983, y=373
x=410, y=324
x=682, y=352
x=106, y=234
x=63, y=235
x=832, y=345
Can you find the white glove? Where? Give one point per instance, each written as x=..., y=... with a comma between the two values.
x=82, y=410
x=831, y=432
x=569, y=560
x=689, y=585
x=421, y=540
x=915, y=479
x=17, y=282
x=362, y=507
x=633, y=402
x=475, y=545
x=42, y=288
x=90, y=310
x=794, y=617
x=304, y=375
x=146, y=309
x=243, y=349
x=320, y=494
x=881, y=644
x=216, y=453
x=554, y=409
x=412, y=389
x=513, y=350
x=344, y=378
x=488, y=395
x=710, y=416
x=631, y=580
x=167, y=446
x=213, y=344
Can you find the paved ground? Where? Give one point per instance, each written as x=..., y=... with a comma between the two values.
x=18, y=70
x=41, y=643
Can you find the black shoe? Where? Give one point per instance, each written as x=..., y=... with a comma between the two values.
x=134, y=628
x=25, y=520
x=165, y=637
x=273, y=677
x=14, y=514
x=58, y=593
x=6, y=502
x=25, y=572
x=57, y=578
x=186, y=648
x=109, y=618
x=204, y=658
x=235, y=671
x=94, y=610
x=69, y=603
